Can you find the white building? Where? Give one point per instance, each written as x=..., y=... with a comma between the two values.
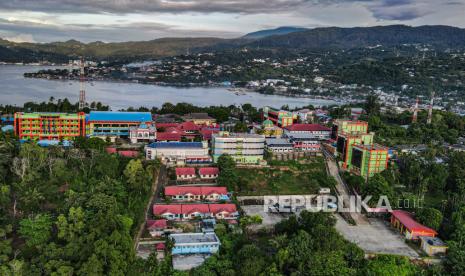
x=244, y=148
x=142, y=133
x=178, y=152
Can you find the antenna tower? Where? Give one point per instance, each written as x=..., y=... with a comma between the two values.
x=82, y=82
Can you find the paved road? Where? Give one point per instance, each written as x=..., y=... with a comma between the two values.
x=158, y=184
x=342, y=189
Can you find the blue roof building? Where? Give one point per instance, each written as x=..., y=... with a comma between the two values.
x=195, y=243
x=115, y=124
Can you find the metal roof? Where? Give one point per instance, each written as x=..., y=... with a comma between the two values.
x=120, y=116
x=165, y=145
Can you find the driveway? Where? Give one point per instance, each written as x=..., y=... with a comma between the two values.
x=376, y=237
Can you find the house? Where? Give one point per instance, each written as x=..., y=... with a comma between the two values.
x=412, y=230
x=197, y=193
x=168, y=211
x=195, y=243
x=199, y=119
x=190, y=211
x=224, y=211
x=185, y=173
x=209, y=173
x=157, y=227
x=433, y=246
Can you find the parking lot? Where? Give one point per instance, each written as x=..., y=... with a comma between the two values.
x=269, y=219
x=375, y=237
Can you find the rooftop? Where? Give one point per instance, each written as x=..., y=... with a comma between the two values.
x=187, y=238
x=167, y=145
x=120, y=116
x=208, y=171
x=433, y=241
x=277, y=141
x=407, y=220
x=185, y=171
x=197, y=116
x=237, y=135
x=307, y=127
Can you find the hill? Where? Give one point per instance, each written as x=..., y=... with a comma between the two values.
x=277, y=31
x=346, y=38
x=440, y=37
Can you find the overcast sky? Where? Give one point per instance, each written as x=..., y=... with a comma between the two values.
x=124, y=20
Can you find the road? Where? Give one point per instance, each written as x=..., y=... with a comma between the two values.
x=158, y=184
x=342, y=189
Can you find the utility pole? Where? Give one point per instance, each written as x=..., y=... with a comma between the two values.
x=82, y=91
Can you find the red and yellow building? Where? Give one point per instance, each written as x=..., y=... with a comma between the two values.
x=49, y=125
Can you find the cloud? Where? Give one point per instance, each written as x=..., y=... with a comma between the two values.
x=173, y=6
x=21, y=38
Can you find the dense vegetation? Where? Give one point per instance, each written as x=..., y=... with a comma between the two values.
x=70, y=211
x=308, y=245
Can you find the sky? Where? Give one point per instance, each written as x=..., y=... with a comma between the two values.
x=135, y=20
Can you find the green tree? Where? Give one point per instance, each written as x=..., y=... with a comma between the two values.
x=36, y=230
x=430, y=217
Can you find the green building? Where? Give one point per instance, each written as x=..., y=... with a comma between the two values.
x=367, y=160
x=345, y=143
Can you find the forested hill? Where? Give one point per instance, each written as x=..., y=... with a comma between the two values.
x=440, y=37
x=346, y=38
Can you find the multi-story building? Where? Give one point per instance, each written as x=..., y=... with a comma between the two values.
x=179, y=152
x=281, y=118
x=310, y=131
x=242, y=147
x=367, y=160
x=348, y=127
x=279, y=145
x=195, y=243
x=110, y=124
x=49, y=125
x=142, y=133
x=345, y=143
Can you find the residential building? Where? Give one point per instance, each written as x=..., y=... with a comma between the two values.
x=226, y=211
x=242, y=147
x=179, y=152
x=281, y=118
x=49, y=125
x=195, y=243
x=199, y=119
x=142, y=133
x=311, y=131
x=157, y=227
x=412, y=230
x=185, y=174
x=209, y=173
x=196, y=193
x=433, y=246
x=109, y=124
x=366, y=160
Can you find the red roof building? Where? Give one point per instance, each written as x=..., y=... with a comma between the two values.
x=306, y=128
x=168, y=137
x=166, y=125
x=184, y=193
x=156, y=224
x=404, y=221
x=170, y=211
x=190, y=211
x=209, y=172
x=160, y=246
x=224, y=211
x=189, y=127
x=185, y=173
